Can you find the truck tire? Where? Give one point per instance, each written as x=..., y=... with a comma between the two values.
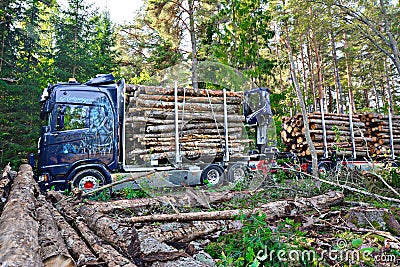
x=323, y=168
x=212, y=175
x=237, y=173
x=88, y=179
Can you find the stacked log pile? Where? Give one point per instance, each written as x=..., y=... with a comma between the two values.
x=377, y=126
x=55, y=230
x=150, y=124
x=371, y=134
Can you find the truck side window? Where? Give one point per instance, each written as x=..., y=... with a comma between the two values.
x=72, y=117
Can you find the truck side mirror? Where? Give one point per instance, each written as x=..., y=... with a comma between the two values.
x=60, y=118
x=45, y=129
x=47, y=107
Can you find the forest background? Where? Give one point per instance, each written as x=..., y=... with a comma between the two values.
x=345, y=52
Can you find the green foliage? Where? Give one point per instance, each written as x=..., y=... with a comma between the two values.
x=83, y=43
x=256, y=243
x=241, y=37
x=19, y=112
x=130, y=193
x=102, y=196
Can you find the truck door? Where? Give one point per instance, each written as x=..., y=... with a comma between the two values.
x=65, y=143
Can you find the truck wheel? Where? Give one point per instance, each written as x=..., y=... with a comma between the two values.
x=212, y=175
x=87, y=180
x=323, y=168
x=237, y=173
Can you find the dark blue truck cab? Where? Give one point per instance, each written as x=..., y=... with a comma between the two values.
x=79, y=144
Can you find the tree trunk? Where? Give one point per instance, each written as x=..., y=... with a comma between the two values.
x=185, y=232
x=5, y=180
x=78, y=248
x=303, y=108
x=392, y=41
x=105, y=251
x=339, y=90
x=303, y=64
x=184, y=200
x=377, y=104
x=121, y=236
x=53, y=250
x=272, y=210
x=194, y=44
x=348, y=68
x=311, y=68
x=19, y=245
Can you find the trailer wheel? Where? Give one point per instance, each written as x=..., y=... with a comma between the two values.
x=88, y=180
x=237, y=173
x=212, y=175
x=323, y=168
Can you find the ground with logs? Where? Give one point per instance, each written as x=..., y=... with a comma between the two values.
x=176, y=229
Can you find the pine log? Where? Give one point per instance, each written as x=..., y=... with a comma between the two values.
x=333, y=115
x=78, y=248
x=195, y=142
x=120, y=236
x=181, y=200
x=53, y=250
x=187, y=154
x=181, y=232
x=339, y=124
x=189, y=119
x=167, y=106
x=272, y=210
x=105, y=251
x=189, y=126
x=5, y=184
x=345, y=127
x=19, y=245
x=191, y=99
x=186, y=137
x=191, y=116
x=345, y=152
x=333, y=133
x=170, y=91
x=232, y=131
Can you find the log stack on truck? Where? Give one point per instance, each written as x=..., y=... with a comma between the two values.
x=150, y=124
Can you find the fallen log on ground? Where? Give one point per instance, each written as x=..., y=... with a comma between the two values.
x=123, y=237
x=19, y=244
x=4, y=182
x=181, y=232
x=272, y=210
x=106, y=234
x=196, y=198
x=78, y=248
x=105, y=251
x=53, y=250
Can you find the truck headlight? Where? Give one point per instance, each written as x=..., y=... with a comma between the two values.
x=43, y=178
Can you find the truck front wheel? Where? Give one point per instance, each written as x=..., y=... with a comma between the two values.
x=212, y=175
x=87, y=180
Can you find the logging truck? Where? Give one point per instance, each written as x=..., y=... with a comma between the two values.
x=97, y=130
